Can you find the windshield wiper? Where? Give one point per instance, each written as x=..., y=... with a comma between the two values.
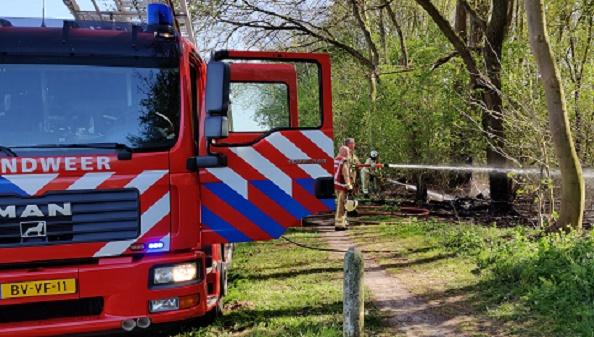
x=8, y=151
x=125, y=152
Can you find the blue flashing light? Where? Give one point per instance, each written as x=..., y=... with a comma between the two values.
x=159, y=14
x=156, y=245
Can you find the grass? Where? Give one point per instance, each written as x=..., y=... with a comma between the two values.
x=434, y=261
x=277, y=289
x=547, y=279
x=488, y=281
x=492, y=281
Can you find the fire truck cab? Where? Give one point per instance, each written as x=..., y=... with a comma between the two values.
x=128, y=164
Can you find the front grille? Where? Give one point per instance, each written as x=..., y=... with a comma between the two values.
x=48, y=310
x=96, y=216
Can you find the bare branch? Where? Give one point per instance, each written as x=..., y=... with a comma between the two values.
x=403, y=50
x=366, y=33
x=454, y=39
x=302, y=27
x=444, y=59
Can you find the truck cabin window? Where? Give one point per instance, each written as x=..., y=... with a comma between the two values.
x=77, y=104
x=258, y=107
x=267, y=96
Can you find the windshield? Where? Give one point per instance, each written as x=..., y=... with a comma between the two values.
x=78, y=104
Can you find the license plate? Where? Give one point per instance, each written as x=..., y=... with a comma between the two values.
x=38, y=288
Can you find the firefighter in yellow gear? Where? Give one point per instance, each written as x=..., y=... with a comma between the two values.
x=343, y=184
x=369, y=173
x=353, y=160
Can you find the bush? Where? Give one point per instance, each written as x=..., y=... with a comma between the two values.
x=464, y=241
x=552, y=277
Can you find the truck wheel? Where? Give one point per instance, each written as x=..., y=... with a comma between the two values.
x=213, y=314
x=217, y=311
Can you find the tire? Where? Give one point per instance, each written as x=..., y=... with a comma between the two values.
x=214, y=313
x=217, y=311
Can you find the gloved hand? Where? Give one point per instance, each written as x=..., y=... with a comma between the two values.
x=349, y=187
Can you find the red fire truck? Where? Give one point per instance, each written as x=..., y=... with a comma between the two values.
x=126, y=169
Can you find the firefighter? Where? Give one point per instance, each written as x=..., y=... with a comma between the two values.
x=353, y=160
x=369, y=173
x=343, y=184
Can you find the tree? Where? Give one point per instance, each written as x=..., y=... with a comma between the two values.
x=488, y=85
x=425, y=110
x=572, y=180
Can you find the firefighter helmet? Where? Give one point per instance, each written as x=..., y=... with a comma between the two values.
x=351, y=204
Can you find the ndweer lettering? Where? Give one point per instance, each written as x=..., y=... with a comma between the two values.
x=53, y=164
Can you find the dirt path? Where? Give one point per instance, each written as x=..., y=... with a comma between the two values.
x=406, y=313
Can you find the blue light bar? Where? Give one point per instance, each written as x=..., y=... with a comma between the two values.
x=156, y=245
x=159, y=14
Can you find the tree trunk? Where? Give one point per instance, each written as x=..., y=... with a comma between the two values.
x=403, y=50
x=572, y=180
x=459, y=153
x=371, y=130
x=460, y=21
x=500, y=186
x=382, y=34
x=361, y=19
x=499, y=183
x=476, y=31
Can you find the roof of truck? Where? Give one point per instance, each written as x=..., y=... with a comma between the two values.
x=83, y=40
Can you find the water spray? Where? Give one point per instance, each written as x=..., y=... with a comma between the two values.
x=588, y=173
x=479, y=169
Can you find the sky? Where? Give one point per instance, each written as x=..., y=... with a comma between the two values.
x=33, y=8
x=53, y=8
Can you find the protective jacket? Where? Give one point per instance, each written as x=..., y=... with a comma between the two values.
x=370, y=166
x=342, y=178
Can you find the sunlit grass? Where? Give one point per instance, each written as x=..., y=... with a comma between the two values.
x=277, y=289
x=496, y=281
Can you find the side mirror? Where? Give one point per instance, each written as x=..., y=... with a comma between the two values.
x=217, y=89
x=216, y=123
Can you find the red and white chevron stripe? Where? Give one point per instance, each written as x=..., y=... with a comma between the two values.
x=152, y=185
x=286, y=159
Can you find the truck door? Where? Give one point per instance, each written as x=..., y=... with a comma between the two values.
x=278, y=151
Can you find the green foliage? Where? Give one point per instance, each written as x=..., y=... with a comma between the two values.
x=308, y=93
x=269, y=110
x=425, y=111
x=465, y=242
x=550, y=276
x=273, y=108
x=536, y=284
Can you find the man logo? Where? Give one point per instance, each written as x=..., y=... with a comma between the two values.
x=33, y=229
x=35, y=211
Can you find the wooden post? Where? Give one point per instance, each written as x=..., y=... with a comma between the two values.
x=353, y=303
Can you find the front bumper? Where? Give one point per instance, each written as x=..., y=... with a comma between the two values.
x=121, y=283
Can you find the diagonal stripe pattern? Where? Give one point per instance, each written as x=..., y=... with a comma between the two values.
x=271, y=183
x=32, y=185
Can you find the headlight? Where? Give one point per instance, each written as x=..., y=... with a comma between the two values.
x=183, y=272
